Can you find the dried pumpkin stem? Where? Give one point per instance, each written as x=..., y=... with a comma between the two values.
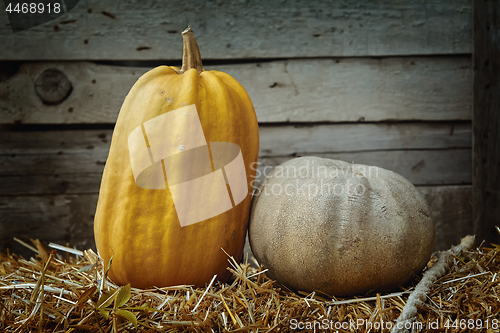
x=191, y=57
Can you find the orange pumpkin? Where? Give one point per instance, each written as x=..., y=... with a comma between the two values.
x=139, y=218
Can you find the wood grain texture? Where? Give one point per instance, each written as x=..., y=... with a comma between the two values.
x=51, y=218
x=132, y=30
x=306, y=90
x=420, y=167
x=275, y=140
x=97, y=95
x=52, y=183
x=300, y=139
x=425, y=153
x=451, y=210
x=55, y=141
x=486, y=132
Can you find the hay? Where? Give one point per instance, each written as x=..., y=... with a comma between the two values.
x=59, y=292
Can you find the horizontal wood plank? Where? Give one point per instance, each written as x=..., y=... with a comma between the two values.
x=52, y=183
x=275, y=140
x=420, y=167
x=436, y=153
x=357, y=90
x=451, y=211
x=132, y=30
x=54, y=218
x=87, y=162
x=315, y=90
x=335, y=138
x=69, y=218
x=19, y=142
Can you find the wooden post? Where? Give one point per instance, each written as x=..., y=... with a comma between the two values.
x=486, y=119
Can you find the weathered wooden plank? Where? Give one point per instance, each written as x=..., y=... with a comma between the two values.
x=97, y=95
x=420, y=167
x=436, y=153
x=451, y=210
x=56, y=163
x=56, y=183
x=55, y=141
x=275, y=140
x=486, y=120
x=69, y=218
x=131, y=30
x=56, y=218
x=299, y=139
x=306, y=90
x=58, y=156
x=337, y=90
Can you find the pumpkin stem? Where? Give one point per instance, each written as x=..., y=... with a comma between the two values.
x=191, y=54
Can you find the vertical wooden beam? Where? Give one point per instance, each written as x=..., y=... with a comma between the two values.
x=486, y=119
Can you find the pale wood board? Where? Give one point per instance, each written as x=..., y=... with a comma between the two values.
x=275, y=140
x=138, y=30
x=421, y=167
x=291, y=139
x=82, y=174
x=303, y=90
x=425, y=153
x=451, y=210
x=359, y=89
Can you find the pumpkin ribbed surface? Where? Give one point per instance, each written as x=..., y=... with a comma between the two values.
x=138, y=227
x=339, y=228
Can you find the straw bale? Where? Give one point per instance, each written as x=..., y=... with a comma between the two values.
x=68, y=291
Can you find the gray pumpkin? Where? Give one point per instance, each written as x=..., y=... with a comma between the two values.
x=343, y=229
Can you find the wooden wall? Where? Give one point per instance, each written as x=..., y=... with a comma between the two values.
x=384, y=83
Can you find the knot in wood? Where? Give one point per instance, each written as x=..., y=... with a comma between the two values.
x=53, y=86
